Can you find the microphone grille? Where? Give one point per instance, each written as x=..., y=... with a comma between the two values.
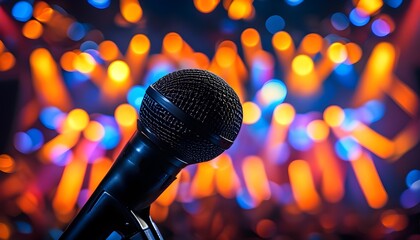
x=203, y=96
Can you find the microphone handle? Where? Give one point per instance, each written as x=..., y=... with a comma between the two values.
x=122, y=200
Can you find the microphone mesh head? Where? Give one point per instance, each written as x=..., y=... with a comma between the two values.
x=203, y=96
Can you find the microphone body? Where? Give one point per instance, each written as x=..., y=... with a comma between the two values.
x=121, y=201
x=186, y=117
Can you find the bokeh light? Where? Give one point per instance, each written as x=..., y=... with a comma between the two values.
x=22, y=11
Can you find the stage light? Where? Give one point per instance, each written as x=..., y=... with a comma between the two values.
x=358, y=17
x=380, y=28
x=77, y=119
x=252, y=113
x=302, y=65
x=32, y=29
x=22, y=11
x=118, y=71
x=125, y=115
x=135, y=96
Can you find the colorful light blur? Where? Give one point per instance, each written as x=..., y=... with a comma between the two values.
x=329, y=142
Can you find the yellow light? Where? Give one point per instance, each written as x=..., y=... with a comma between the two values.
x=67, y=60
x=282, y=41
x=256, y=179
x=94, y=131
x=318, y=130
x=333, y=116
x=250, y=37
x=303, y=186
x=239, y=9
x=284, y=114
x=337, y=52
x=225, y=57
x=84, y=63
x=7, y=163
x=7, y=61
x=369, y=181
x=369, y=6
x=118, y=71
x=42, y=12
x=140, y=44
x=125, y=115
x=108, y=50
x=99, y=168
x=302, y=65
x=252, y=112
x=131, y=10
x=312, y=43
x=77, y=119
x=206, y=6
x=172, y=42
x=354, y=52
x=32, y=29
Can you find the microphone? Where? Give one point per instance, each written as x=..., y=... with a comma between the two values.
x=186, y=117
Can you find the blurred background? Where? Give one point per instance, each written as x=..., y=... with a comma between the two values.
x=330, y=92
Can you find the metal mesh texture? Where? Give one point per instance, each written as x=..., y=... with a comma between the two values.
x=205, y=97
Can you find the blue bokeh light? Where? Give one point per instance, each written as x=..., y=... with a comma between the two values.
x=394, y=3
x=37, y=138
x=339, y=21
x=358, y=17
x=100, y=4
x=294, y=2
x=51, y=117
x=412, y=177
x=22, y=11
x=275, y=24
x=76, y=31
x=299, y=139
x=135, y=96
x=348, y=148
x=380, y=28
x=23, y=142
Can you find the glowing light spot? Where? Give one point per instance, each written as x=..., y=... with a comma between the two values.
x=67, y=59
x=76, y=31
x=394, y=3
x=339, y=21
x=108, y=50
x=51, y=117
x=77, y=119
x=275, y=24
x=125, y=115
x=94, y=131
x=354, y=53
x=131, y=10
x=337, y=52
x=84, y=63
x=250, y=37
x=23, y=142
x=299, y=139
x=282, y=41
x=284, y=114
x=135, y=96
x=37, y=138
x=312, y=43
x=380, y=28
x=334, y=116
x=318, y=130
x=225, y=57
x=7, y=165
x=375, y=110
x=348, y=149
x=22, y=11
x=100, y=4
x=118, y=71
x=32, y=29
x=239, y=9
x=42, y=12
x=294, y=2
x=302, y=65
x=4, y=231
x=252, y=112
x=140, y=44
x=393, y=220
x=359, y=17
x=7, y=61
x=273, y=92
x=172, y=42
x=206, y=6
x=412, y=178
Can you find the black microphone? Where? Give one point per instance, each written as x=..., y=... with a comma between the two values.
x=186, y=117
